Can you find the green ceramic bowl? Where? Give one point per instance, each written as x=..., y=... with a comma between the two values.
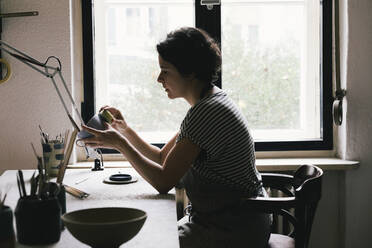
x=104, y=227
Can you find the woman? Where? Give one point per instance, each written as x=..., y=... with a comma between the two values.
x=212, y=154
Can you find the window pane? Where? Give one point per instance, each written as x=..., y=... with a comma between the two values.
x=271, y=58
x=126, y=62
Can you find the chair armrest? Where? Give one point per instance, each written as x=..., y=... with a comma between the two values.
x=281, y=182
x=269, y=204
x=272, y=178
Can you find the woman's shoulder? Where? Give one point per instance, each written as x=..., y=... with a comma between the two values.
x=215, y=107
x=218, y=97
x=208, y=103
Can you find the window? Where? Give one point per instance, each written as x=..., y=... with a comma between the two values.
x=276, y=65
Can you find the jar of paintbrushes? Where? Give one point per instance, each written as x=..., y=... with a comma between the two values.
x=53, y=152
x=7, y=237
x=38, y=214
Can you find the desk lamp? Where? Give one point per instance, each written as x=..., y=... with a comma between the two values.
x=51, y=72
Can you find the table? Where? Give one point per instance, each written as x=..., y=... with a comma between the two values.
x=160, y=228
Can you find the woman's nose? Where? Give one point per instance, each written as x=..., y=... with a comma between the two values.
x=160, y=79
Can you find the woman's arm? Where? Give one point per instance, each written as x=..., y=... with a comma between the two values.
x=165, y=177
x=152, y=152
x=162, y=176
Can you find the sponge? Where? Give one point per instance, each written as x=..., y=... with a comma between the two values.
x=107, y=116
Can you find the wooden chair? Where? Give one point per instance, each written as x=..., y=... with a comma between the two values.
x=302, y=193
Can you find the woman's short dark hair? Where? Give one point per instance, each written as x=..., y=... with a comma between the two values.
x=192, y=50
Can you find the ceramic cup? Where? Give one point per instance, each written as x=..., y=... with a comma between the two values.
x=38, y=222
x=53, y=156
x=96, y=122
x=7, y=237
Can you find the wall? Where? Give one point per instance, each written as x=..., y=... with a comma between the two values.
x=327, y=227
x=357, y=130
x=28, y=99
x=345, y=211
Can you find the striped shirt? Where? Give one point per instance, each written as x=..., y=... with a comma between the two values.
x=227, y=156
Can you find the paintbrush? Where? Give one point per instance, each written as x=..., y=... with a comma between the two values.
x=64, y=140
x=63, y=167
x=45, y=136
x=2, y=201
x=33, y=184
x=19, y=187
x=75, y=192
x=22, y=182
x=39, y=161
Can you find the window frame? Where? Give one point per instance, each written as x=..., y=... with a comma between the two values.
x=210, y=20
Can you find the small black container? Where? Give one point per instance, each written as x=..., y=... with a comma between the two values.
x=38, y=222
x=62, y=202
x=7, y=237
x=62, y=198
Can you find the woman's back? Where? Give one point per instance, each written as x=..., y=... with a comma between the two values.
x=225, y=169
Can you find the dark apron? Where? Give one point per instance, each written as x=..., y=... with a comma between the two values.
x=215, y=218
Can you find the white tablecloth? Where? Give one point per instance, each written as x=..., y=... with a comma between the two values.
x=160, y=228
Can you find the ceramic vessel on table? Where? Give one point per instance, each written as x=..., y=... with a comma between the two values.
x=38, y=221
x=104, y=227
x=7, y=237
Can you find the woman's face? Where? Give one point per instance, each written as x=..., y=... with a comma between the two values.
x=173, y=82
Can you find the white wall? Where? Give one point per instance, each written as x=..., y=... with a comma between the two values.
x=327, y=227
x=351, y=200
x=357, y=131
x=28, y=98
x=344, y=216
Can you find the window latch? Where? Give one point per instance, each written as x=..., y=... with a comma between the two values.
x=210, y=3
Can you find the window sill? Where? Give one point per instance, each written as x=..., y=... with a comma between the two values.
x=290, y=164
x=263, y=164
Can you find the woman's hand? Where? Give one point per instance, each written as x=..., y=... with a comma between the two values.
x=108, y=138
x=118, y=122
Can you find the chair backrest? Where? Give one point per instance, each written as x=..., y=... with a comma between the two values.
x=307, y=181
x=303, y=192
